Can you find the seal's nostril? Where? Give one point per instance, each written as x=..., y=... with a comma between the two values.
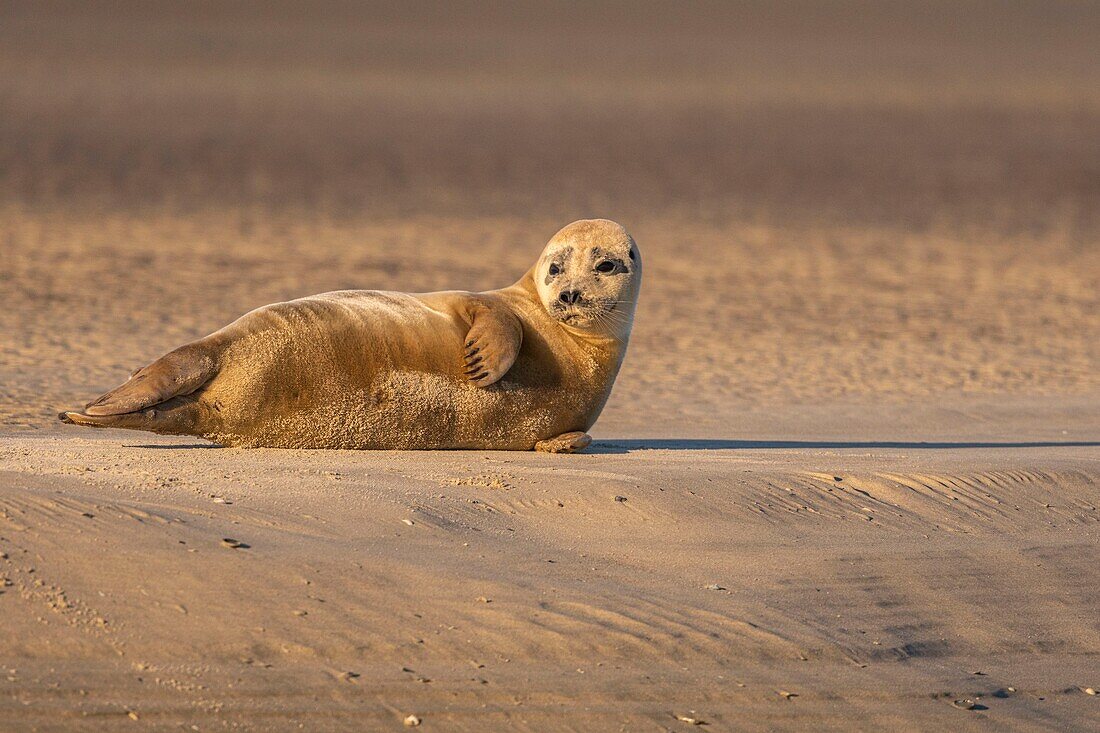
x=570, y=296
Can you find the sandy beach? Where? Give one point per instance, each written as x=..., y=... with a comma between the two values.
x=848, y=478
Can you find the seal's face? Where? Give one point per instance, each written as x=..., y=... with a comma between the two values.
x=589, y=275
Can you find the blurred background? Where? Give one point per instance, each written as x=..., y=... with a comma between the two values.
x=838, y=202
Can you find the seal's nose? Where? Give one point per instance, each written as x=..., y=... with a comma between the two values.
x=570, y=296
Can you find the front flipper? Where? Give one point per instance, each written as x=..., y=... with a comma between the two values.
x=492, y=343
x=565, y=443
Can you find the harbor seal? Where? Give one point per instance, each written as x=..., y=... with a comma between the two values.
x=527, y=367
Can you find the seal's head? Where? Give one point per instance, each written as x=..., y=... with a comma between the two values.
x=589, y=276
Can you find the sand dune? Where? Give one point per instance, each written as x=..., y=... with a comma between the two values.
x=848, y=478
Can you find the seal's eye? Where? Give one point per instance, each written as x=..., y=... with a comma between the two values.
x=605, y=267
x=554, y=269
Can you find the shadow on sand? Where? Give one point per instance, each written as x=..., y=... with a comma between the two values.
x=631, y=445
x=179, y=446
x=626, y=446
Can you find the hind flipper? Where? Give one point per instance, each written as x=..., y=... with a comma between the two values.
x=175, y=374
x=177, y=416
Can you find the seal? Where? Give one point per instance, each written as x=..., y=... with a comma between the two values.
x=527, y=367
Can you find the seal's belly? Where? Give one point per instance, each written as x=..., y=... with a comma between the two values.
x=410, y=410
x=405, y=410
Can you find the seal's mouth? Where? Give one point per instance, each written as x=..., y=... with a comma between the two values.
x=580, y=314
x=573, y=315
